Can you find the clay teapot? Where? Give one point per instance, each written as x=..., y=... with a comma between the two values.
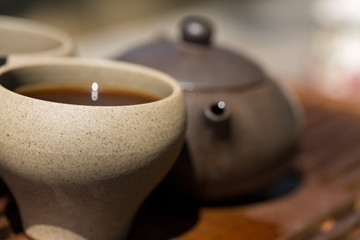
x=242, y=125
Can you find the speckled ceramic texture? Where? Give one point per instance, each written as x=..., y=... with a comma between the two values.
x=81, y=172
x=23, y=39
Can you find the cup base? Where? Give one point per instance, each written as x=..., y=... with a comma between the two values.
x=48, y=232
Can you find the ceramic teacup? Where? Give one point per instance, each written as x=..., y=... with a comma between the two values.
x=79, y=171
x=23, y=39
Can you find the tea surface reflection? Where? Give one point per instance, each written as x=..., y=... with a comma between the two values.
x=88, y=95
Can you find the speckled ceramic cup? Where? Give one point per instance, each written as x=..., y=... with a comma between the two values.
x=23, y=39
x=81, y=172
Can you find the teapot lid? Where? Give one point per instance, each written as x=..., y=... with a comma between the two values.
x=195, y=62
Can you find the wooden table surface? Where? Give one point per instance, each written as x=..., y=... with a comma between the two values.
x=325, y=178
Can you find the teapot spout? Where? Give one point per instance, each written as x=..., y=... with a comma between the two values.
x=217, y=117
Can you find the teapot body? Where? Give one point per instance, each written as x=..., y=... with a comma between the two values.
x=232, y=155
x=242, y=125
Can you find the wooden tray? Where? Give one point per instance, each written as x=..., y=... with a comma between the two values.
x=315, y=200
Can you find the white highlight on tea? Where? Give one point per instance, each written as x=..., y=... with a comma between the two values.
x=94, y=91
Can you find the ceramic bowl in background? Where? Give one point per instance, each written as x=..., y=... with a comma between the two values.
x=23, y=39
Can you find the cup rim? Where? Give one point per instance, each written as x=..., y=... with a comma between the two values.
x=66, y=43
x=88, y=62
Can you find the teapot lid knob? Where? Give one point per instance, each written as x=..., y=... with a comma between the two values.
x=197, y=30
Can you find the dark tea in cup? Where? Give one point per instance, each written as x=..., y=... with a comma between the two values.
x=82, y=95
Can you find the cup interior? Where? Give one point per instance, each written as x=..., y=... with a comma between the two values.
x=120, y=76
x=22, y=37
x=14, y=41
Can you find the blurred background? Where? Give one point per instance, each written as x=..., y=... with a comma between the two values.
x=315, y=42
